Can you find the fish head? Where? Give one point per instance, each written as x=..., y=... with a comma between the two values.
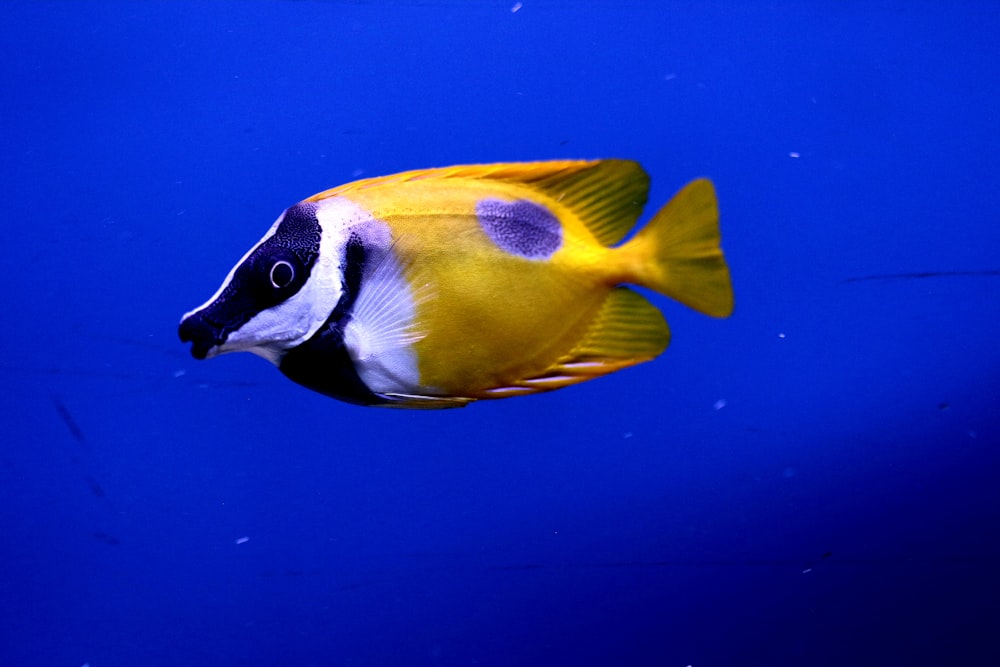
x=277, y=296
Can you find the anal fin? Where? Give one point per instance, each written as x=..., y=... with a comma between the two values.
x=417, y=402
x=627, y=330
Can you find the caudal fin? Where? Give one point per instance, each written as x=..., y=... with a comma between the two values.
x=678, y=252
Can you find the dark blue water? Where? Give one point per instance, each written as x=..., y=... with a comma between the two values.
x=815, y=481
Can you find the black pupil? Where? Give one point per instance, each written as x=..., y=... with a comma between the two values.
x=282, y=274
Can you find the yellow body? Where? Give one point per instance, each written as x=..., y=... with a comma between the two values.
x=492, y=323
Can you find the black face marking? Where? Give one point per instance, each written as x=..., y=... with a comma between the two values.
x=520, y=227
x=323, y=364
x=274, y=271
x=352, y=268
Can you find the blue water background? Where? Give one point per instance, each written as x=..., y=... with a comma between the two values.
x=813, y=482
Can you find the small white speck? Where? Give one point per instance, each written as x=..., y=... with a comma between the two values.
x=794, y=154
x=719, y=404
x=781, y=335
x=807, y=570
x=180, y=373
x=516, y=7
x=242, y=540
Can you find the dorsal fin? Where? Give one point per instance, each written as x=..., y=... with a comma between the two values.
x=607, y=195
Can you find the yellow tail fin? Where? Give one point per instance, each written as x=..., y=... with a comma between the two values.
x=678, y=252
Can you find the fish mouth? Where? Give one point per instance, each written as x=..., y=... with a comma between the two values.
x=203, y=336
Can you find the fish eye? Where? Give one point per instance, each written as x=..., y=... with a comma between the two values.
x=271, y=276
x=282, y=274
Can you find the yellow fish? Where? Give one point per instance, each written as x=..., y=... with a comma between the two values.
x=437, y=287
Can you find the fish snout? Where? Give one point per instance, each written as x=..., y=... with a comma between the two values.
x=202, y=334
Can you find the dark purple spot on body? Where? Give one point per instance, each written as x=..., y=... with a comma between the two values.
x=520, y=227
